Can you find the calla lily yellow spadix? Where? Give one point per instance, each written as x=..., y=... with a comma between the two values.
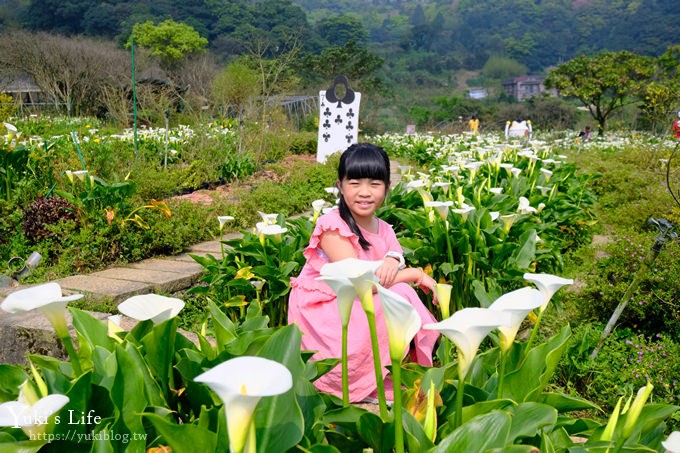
x=155, y=307
x=240, y=383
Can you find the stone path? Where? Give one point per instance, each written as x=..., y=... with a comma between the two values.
x=29, y=333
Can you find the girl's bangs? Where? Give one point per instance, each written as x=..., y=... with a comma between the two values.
x=370, y=165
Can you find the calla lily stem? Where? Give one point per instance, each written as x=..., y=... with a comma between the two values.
x=380, y=384
x=460, y=390
x=65, y=337
x=345, y=369
x=396, y=408
x=501, y=374
x=534, y=331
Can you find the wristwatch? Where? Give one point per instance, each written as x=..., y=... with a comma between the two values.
x=397, y=256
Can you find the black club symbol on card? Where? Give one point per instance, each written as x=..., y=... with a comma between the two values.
x=326, y=136
x=327, y=112
x=338, y=120
x=326, y=124
x=350, y=113
x=349, y=126
x=349, y=138
x=342, y=94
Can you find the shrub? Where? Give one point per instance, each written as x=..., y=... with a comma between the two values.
x=46, y=212
x=652, y=307
x=7, y=106
x=626, y=362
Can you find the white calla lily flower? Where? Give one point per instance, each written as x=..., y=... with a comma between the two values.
x=444, y=185
x=345, y=293
x=31, y=418
x=269, y=229
x=443, y=291
x=464, y=211
x=332, y=190
x=268, y=219
x=442, y=207
x=548, y=284
x=240, y=383
x=11, y=131
x=317, y=208
x=360, y=272
x=401, y=319
x=46, y=298
x=672, y=442
x=525, y=206
x=518, y=304
x=508, y=220
x=155, y=307
x=467, y=328
x=546, y=173
x=223, y=219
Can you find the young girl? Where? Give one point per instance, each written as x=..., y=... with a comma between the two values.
x=353, y=231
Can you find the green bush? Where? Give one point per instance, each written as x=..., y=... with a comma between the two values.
x=7, y=106
x=626, y=362
x=653, y=305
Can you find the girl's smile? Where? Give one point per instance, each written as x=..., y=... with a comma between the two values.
x=363, y=197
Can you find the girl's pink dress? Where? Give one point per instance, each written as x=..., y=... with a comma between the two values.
x=313, y=307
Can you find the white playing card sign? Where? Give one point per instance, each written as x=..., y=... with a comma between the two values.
x=338, y=119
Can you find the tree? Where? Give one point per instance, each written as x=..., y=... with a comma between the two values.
x=338, y=30
x=604, y=82
x=235, y=86
x=169, y=40
x=71, y=71
x=351, y=60
x=661, y=95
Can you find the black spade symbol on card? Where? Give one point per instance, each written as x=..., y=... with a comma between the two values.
x=340, y=92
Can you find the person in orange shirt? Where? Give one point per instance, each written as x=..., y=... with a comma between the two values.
x=474, y=125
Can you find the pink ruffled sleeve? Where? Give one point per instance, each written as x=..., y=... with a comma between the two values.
x=313, y=290
x=328, y=222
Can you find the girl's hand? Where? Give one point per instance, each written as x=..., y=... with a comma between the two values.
x=427, y=284
x=387, y=272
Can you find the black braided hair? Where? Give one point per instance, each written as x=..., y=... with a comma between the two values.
x=362, y=160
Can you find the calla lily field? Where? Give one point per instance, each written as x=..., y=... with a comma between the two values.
x=490, y=220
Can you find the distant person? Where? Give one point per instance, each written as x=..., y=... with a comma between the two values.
x=474, y=125
x=676, y=127
x=584, y=135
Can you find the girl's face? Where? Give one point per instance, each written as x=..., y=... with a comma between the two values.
x=363, y=196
